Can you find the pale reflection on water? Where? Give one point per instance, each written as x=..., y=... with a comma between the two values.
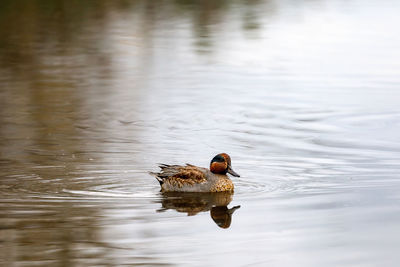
x=302, y=94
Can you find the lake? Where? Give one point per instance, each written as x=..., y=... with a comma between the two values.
x=303, y=95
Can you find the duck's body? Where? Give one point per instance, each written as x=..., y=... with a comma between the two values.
x=190, y=178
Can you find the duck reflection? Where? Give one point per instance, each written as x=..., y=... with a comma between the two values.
x=193, y=203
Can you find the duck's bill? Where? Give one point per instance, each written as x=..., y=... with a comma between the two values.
x=232, y=172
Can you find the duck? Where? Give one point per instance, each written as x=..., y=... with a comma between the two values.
x=190, y=178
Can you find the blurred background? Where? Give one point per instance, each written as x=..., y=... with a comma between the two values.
x=303, y=95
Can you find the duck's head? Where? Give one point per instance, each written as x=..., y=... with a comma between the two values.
x=221, y=164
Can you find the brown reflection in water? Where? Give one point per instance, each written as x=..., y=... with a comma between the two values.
x=32, y=30
x=193, y=203
x=56, y=59
x=49, y=232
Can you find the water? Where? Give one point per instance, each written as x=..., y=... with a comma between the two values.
x=304, y=96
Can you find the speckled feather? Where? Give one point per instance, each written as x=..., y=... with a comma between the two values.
x=181, y=175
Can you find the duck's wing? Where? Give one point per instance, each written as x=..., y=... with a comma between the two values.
x=190, y=165
x=180, y=175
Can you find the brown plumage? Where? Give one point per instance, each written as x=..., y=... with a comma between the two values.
x=190, y=178
x=181, y=175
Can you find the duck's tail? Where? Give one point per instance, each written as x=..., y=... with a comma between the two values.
x=156, y=175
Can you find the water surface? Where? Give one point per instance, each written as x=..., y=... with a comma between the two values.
x=304, y=96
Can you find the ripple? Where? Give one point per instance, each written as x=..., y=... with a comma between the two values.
x=111, y=194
